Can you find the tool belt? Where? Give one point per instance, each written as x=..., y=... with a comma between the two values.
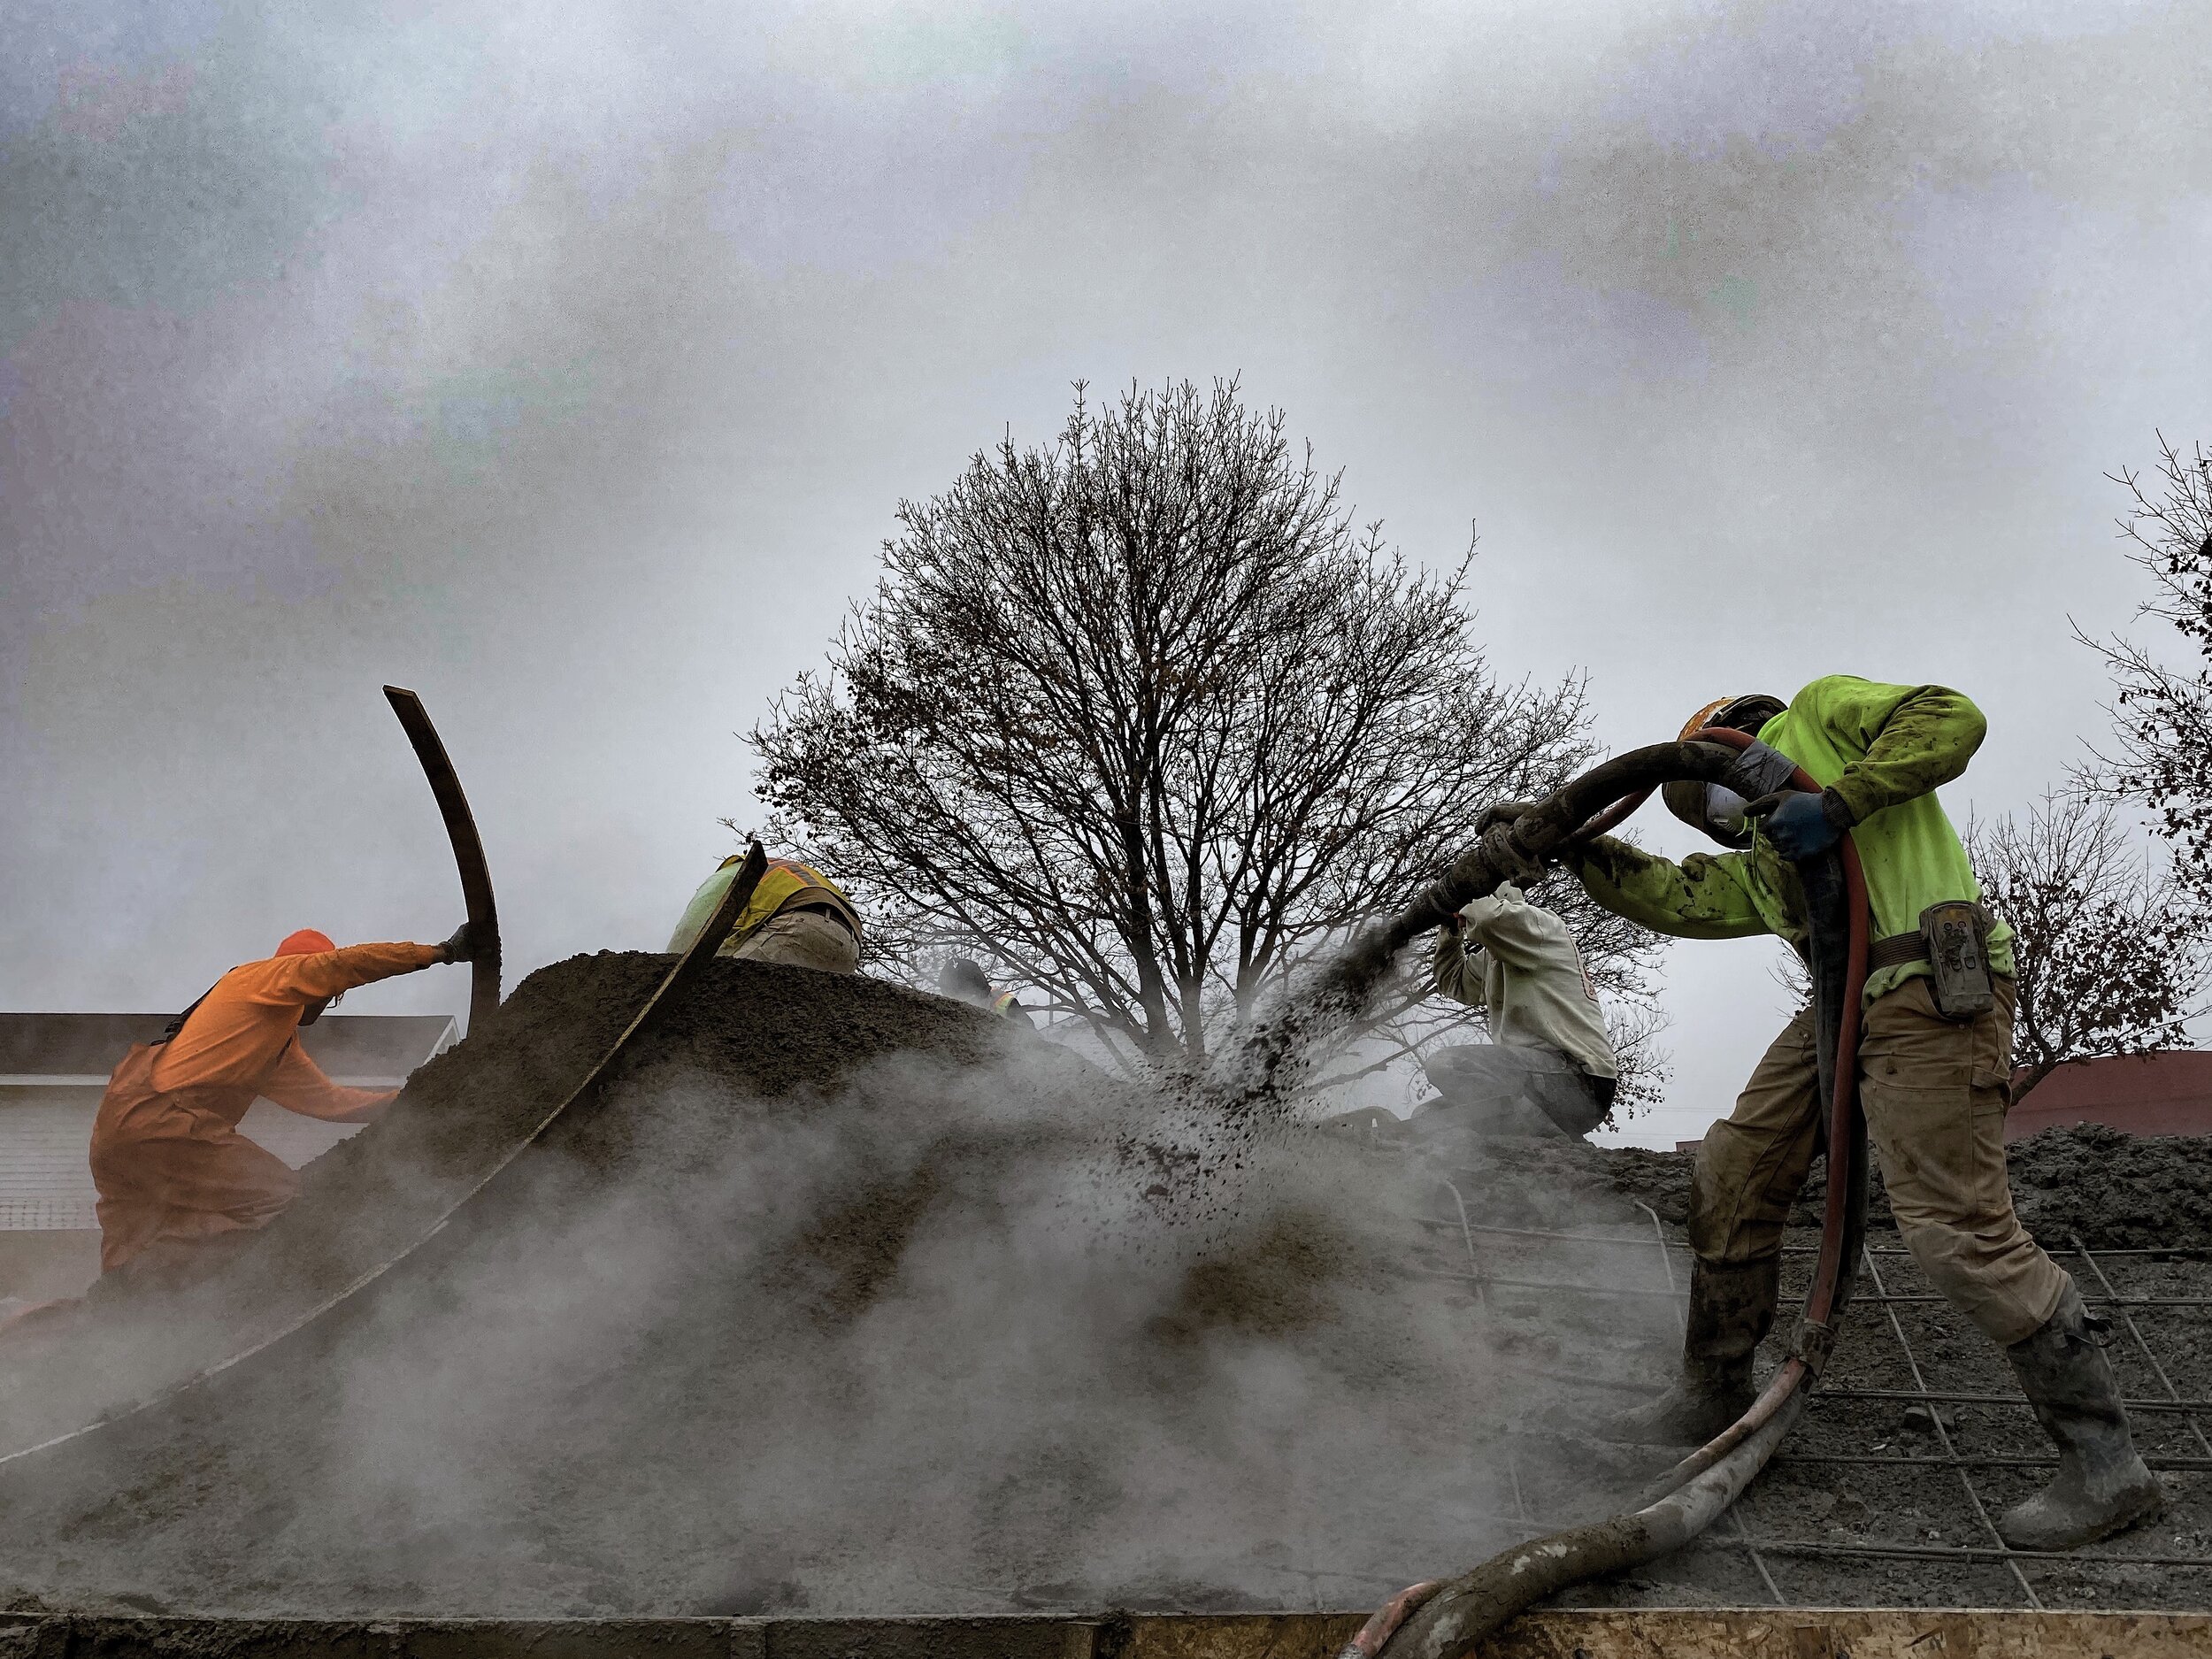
x=813, y=899
x=1953, y=941
x=816, y=899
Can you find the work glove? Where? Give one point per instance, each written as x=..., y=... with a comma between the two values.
x=462, y=946
x=1802, y=825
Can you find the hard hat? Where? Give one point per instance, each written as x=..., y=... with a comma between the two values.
x=1702, y=719
x=1746, y=714
x=306, y=942
x=964, y=981
x=1709, y=807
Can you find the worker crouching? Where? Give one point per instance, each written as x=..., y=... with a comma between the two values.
x=180, y=1187
x=1549, y=1069
x=796, y=916
x=1935, y=1080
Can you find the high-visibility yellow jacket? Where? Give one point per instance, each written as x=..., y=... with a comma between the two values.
x=1884, y=749
x=787, y=886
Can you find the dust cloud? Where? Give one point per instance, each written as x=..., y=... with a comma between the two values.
x=926, y=1334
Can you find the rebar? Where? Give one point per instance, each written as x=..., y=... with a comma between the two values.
x=1762, y=1546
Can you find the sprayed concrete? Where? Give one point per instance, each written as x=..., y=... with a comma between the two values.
x=847, y=1301
x=851, y=1301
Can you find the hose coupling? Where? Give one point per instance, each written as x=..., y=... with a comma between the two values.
x=1811, y=1343
x=1509, y=859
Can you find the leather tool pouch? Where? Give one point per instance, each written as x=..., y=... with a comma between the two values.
x=1957, y=936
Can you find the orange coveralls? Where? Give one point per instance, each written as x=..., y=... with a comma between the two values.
x=166, y=1154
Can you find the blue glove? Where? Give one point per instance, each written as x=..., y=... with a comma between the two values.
x=1800, y=826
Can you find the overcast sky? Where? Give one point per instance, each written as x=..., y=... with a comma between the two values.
x=566, y=363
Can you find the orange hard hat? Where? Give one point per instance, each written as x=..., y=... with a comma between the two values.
x=1744, y=713
x=1697, y=721
x=306, y=942
x=1714, y=807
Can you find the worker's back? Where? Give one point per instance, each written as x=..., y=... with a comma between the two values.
x=797, y=916
x=171, y=1167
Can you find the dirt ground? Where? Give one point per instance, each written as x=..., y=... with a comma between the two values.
x=849, y=1300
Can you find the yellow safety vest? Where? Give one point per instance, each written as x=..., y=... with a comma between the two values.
x=787, y=885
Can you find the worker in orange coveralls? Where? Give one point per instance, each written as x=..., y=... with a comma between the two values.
x=177, y=1183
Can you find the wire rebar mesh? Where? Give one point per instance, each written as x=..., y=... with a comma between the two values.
x=1748, y=1533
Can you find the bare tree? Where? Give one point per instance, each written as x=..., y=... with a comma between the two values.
x=1634, y=1024
x=2163, y=716
x=2109, y=954
x=1139, y=718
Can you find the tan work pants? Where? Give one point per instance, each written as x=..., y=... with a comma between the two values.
x=1935, y=1093
x=801, y=938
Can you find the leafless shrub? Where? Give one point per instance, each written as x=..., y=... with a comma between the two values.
x=2109, y=954
x=1634, y=1025
x=2162, y=718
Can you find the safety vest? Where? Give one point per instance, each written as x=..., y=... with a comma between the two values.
x=787, y=885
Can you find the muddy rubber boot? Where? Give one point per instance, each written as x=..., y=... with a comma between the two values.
x=1731, y=1307
x=2102, y=1487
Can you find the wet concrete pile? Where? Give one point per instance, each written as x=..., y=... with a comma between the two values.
x=844, y=1301
x=2114, y=1191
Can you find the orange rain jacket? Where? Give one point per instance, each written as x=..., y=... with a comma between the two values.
x=166, y=1154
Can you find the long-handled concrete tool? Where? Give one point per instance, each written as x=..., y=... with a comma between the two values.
x=468, y=850
x=674, y=985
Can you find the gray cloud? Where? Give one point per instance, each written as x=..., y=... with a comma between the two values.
x=567, y=363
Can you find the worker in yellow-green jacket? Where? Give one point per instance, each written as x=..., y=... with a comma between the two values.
x=1935, y=1066
x=797, y=916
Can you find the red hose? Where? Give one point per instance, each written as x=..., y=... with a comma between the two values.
x=1819, y=1301
x=1606, y=822
x=1494, y=1592
x=1842, y=1143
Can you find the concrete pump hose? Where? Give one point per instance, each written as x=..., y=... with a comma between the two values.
x=1276, y=1045
x=1444, y=1619
x=1581, y=807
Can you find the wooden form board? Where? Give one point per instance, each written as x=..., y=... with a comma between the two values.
x=1641, y=1633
